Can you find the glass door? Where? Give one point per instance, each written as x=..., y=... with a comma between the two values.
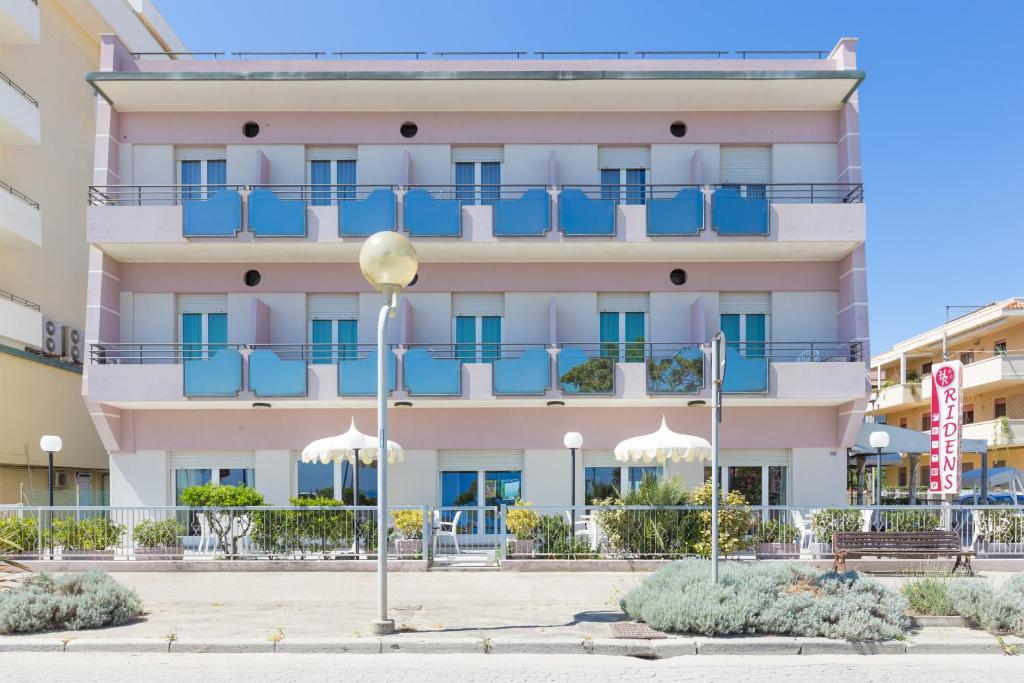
x=459, y=489
x=500, y=488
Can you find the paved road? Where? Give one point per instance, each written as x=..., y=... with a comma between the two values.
x=156, y=668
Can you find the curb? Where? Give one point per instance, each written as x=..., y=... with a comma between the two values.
x=645, y=649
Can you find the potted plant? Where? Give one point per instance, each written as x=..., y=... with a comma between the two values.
x=92, y=538
x=409, y=524
x=522, y=523
x=159, y=540
x=229, y=526
x=321, y=527
x=19, y=536
x=776, y=538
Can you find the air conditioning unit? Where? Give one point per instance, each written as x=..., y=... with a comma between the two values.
x=60, y=480
x=53, y=338
x=74, y=345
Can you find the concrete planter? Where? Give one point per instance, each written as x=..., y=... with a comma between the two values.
x=85, y=554
x=776, y=550
x=990, y=548
x=525, y=548
x=159, y=553
x=409, y=547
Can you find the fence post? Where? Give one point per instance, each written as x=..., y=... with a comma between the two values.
x=39, y=528
x=427, y=525
x=502, y=540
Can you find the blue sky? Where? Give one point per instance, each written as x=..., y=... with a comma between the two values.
x=941, y=119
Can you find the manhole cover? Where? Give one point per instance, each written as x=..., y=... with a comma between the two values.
x=634, y=631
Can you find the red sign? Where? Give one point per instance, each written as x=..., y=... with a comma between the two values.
x=944, y=469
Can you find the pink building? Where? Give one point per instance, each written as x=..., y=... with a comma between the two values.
x=584, y=226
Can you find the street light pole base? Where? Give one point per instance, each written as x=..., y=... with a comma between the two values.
x=383, y=628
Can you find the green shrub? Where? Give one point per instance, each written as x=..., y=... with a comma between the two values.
x=776, y=531
x=995, y=610
x=1000, y=526
x=409, y=523
x=665, y=533
x=556, y=539
x=521, y=521
x=69, y=602
x=825, y=522
x=18, y=535
x=166, y=533
x=213, y=496
x=91, y=533
x=316, y=532
x=929, y=596
x=775, y=598
x=733, y=521
x=910, y=520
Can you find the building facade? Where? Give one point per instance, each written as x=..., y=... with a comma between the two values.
x=583, y=228
x=989, y=341
x=47, y=129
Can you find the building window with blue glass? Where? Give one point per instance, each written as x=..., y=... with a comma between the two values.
x=476, y=174
x=331, y=173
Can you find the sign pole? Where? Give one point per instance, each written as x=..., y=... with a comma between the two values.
x=717, y=375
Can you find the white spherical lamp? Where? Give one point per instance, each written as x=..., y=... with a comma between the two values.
x=879, y=439
x=388, y=261
x=51, y=444
x=573, y=440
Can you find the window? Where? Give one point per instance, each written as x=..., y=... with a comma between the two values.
x=747, y=169
x=333, y=330
x=334, y=480
x=999, y=463
x=201, y=172
x=746, y=332
x=196, y=474
x=476, y=488
x=202, y=325
x=605, y=481
x=922, y=476
x=968, y=417
x=926, y=368
x=926, y=422
x=967, y=357
x=624, y=173
x=1000, y=347
x=903, y=477
x=999, y=408
x=335, y=169
x=758, y=484
x=469, y=329
x=478, y=182
x=903, y=422
x=629, y=326
x=967, y=467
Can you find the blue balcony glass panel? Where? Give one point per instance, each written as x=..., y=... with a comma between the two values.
x=581, y=215
x=680, y=373
x=679, y=215
x=361, y=217
x=529, y=215
x=270, y=375
x=270, y=216
x=530, y=374
x=221, y=375
x=358, y=376
x=582, y=373
x=426, y=216
x=743, y=374
x=219, y=216
x=424, y=375
x=734, y=214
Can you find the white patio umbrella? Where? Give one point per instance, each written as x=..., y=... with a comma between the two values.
x=662, y=446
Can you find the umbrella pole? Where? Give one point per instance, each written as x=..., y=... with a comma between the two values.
x=355, y=498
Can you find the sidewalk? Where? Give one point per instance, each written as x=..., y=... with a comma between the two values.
x=436, y=612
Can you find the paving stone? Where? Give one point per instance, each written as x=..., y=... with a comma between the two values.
x=555, y=645
x=828, y=646
x=362, y=646
x=26, y=644
x=673, y=647
x=435, y=645
x=116, y=645
x=952, y=641
x=222, y=646
x=621, y=647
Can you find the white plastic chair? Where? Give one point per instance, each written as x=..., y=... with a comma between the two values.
x=207, y=539
x=806, y=532
x=447, y=529
x=865, y=520
x=808, y=356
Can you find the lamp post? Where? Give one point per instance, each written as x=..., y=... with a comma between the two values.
x=717, y=377
x=878, y=441
x=50, y=444
x=389, y=263
x=572, y=441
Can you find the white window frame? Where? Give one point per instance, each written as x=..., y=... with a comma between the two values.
x=333, y=155
x=481, y=489
x=622, y=343
x=336, y=469
x=724, y=480
x=478, y=351
x=477, y=199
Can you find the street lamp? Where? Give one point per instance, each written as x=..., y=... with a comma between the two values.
x=878, y=441
x=50, y=444
x=388, y=261
x=572, y=441
x=717, y=378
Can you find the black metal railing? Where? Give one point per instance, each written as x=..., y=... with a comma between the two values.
x=321, y=194
x=23, y=197
x=476, y=193
x=18, y=300
x=152, y=195
x=103, y=353
x=500, y=54
x=21, y=91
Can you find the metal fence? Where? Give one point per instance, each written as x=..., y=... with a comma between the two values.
x=498, y=531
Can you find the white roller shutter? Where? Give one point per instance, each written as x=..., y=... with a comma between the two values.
x=478, y=154
x=332, y=153
x=754, y=456
x=478, y=304
x=332, y=307
x=741, y=165
x=471, y=461
x=600, y=459
x=624, y=157
x=745, y=302
x=199, y=153
x=220, y=460
x=637, y=302
x=202, y=303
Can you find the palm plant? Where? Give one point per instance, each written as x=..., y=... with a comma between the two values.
x=660, y=532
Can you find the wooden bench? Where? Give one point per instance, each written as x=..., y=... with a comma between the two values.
x=910, y=544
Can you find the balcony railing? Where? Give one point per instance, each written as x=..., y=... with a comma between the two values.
x=501, y=54
x=154, y=195
x=25, y=198
x=21, y=91
x=14, y=298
